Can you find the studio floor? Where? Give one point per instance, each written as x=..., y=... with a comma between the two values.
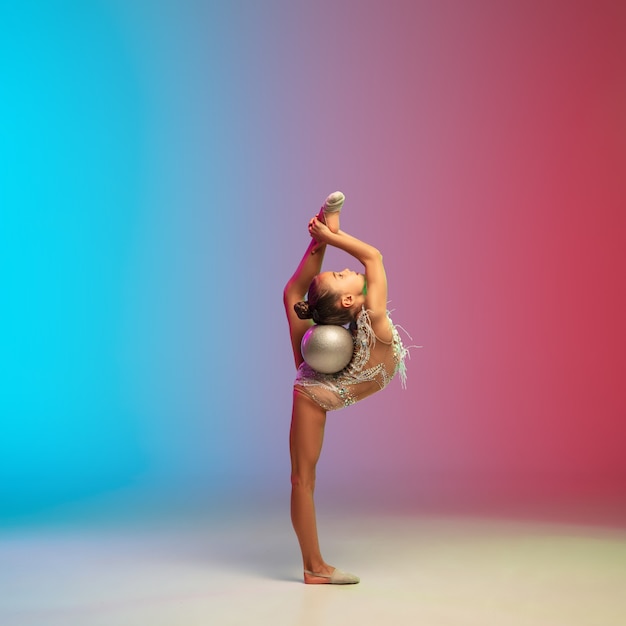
x=241, y=568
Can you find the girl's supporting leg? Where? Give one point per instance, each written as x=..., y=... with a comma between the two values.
x=305, y=439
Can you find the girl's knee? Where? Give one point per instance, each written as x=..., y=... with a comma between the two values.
x=303, y=480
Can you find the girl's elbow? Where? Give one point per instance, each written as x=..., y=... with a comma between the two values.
x=374, y=260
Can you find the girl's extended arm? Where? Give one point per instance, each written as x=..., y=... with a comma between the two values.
x=372, y=260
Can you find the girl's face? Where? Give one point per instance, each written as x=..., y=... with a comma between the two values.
x=345, y=282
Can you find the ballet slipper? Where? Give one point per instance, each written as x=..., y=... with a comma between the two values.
x=334, y=202
x=338, y=577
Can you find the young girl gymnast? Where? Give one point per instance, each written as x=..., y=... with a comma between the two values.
x=349, y=298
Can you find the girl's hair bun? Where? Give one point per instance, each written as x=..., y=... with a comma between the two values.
x=302, y=310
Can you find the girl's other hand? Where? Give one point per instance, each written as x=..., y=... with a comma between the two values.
x=318, y=230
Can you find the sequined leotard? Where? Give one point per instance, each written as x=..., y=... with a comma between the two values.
x=374, y=363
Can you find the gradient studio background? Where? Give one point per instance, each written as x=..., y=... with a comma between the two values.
x=159, y=163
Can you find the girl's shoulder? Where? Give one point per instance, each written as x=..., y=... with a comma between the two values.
x=374, y=327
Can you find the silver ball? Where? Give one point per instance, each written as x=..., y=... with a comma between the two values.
x=327, y=348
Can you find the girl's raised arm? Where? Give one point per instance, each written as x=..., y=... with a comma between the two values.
x=376, y=278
